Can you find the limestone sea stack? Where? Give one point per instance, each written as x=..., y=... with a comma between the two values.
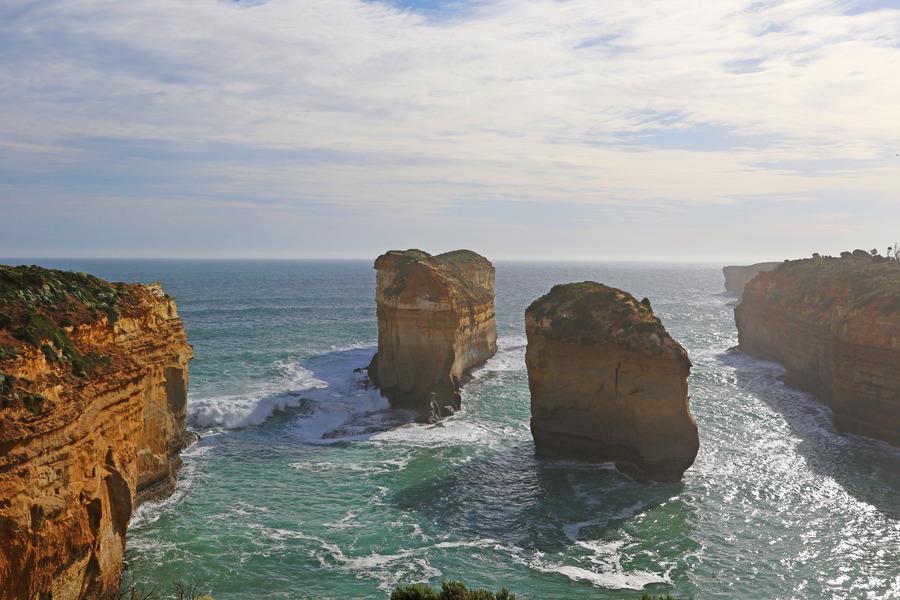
x=834, y=324
x=435, y=323
x=93, y=401
x=736, y=277
x=608, y=383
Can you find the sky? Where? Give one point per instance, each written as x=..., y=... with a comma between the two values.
x=533, y=129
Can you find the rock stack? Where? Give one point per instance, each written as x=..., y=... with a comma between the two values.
x=608, y=383
x=435, y=323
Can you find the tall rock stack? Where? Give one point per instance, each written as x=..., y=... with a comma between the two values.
x=834, y=323
x=608, y=383
x=93, y=402
x=435, y=323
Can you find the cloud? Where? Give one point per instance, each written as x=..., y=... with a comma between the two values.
x=429, y=108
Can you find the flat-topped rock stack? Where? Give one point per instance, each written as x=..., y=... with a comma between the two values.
x=435, y=323
x=834, y=323
x=608, y=383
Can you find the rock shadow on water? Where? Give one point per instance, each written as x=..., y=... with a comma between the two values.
x=321, y=400
x=536, y=504
x=867, y=469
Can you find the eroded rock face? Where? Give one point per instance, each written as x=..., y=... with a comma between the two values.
x=435, y=322
x=737, y=277
x=93, y=404
x=608, y=383
x=834, y=323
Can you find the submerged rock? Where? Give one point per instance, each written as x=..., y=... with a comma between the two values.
x=435, y=323
x=737, y=277
x=608, y=383
x=834, y=323
x=93, y=403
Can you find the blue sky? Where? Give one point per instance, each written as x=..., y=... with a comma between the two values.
x=588, y=129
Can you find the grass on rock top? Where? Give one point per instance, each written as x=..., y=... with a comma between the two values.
x=453, y=267
x=860, y=281
x=36, y=307
x=590, y=311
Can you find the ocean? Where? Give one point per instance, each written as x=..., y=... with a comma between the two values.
x=305, y=485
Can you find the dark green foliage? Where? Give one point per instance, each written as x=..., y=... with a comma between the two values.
x=34, y=403
x=450, y=590
x=182, y=592
x=49, y=354
x=7, y=351
x=646, y=596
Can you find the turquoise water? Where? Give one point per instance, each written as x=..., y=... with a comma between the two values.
x=304, y=485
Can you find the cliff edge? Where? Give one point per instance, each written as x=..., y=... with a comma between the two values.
x=737, y=277
x=93, y=404
x=435, y=322
x=608, y=383
x=834, y=323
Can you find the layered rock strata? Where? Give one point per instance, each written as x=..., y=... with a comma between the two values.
x=608, y=383
x=93, y=401
x=834, y=323
x=435, y=323
x=737, y=277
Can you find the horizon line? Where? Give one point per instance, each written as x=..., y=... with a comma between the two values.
x=725, y=262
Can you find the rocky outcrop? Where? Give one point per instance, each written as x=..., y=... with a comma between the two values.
x=435, y=322
x=608, y=383
x=93, y=399
x=737, y=277
x=834, y=323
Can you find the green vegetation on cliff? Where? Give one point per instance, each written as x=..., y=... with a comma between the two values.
x=36, y=307
x=589, y=313
x=855, y=280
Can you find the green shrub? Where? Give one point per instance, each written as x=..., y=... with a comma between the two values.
x=34, y=403
x=450, y=590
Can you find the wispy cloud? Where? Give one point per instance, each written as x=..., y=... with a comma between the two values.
x=430, y=107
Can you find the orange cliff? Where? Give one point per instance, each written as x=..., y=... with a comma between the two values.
x=93, y=401
x=834, y=324
x=608, y=383
x=435, y=323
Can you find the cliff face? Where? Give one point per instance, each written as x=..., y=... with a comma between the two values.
x=435, y=322
x=834, y=323
x=93, y=403
x=608, y=383
x=737, y=277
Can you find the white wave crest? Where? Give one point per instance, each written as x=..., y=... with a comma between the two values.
x=329, y=384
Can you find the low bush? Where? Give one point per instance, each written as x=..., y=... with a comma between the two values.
x=456, y=590
x=450, y=590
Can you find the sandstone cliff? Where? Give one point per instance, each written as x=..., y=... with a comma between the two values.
x=93, y=399
x=435, y=322
x=737, y=277
x=834, y=323
x=608, y=383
